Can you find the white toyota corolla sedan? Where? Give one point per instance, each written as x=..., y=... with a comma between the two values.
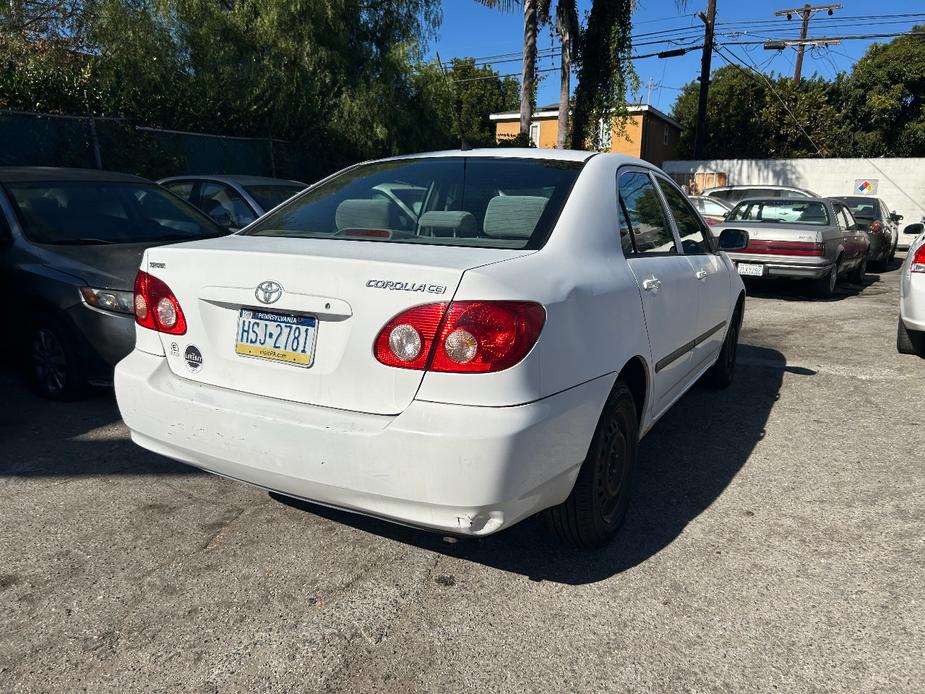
x=910, y=338
x=494, y=350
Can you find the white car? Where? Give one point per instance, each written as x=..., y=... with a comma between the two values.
x=910, y=337
x=499, y=356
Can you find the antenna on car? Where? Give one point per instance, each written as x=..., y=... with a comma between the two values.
x=457, y=110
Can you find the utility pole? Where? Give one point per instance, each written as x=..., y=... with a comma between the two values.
x=806, y=11
x=709, y=20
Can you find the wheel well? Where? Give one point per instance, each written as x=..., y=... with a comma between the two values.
x=636, y=378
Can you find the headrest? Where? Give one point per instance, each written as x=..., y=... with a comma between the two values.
x=362, y=214
x=513, y=216
x=455, y=223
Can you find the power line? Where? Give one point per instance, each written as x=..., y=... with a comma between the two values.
x=737, y=61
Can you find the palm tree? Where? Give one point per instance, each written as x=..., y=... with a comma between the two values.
x=566, y=24
x=529, y=61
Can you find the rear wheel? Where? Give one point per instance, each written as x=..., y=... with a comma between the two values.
x=909, y=341
x=824, y=287
x=721, y=374
x=56, y=368
x=595, y=509
x=857, y=275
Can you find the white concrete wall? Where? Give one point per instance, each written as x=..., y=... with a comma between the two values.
x=900, y=182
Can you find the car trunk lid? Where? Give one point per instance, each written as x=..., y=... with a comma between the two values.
x=351, y=288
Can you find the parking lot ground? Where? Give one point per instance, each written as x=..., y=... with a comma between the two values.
x=775, y=540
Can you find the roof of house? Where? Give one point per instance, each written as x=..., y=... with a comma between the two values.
x=23, y=174
x=552, y=111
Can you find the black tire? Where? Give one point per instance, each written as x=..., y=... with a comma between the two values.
x=857, y=275
x=722, y=373
x=824, y=287
x=55, y=367
x=909, y=341
x=594, y=511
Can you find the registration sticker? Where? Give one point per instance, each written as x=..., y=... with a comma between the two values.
x=281, y=337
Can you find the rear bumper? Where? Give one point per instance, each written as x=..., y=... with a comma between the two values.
x=451, y=468
x=777, y=266
x=912, y=300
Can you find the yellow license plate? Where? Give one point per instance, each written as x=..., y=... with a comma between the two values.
x=280, y=337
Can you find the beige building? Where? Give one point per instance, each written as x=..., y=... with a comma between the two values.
x=649, y=133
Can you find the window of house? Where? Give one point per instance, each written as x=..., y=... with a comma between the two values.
x=535, y=134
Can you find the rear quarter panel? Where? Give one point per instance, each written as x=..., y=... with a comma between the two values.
x=594, y=320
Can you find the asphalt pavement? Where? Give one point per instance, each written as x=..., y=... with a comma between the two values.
x=775, y=541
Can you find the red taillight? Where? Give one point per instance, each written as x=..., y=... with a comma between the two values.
x=407, y=339
x=918, y=260
x=466, y=337
x=803, y=248
x=875, y=227
x=156, y=307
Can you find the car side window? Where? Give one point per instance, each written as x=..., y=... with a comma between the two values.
x=644, y=215
x=182, y=189
x=626, y=238
x=225, y=206
x=840, y=217
x=695, y=239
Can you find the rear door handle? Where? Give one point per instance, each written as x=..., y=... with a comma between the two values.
x=701, y=274
x=652, y=284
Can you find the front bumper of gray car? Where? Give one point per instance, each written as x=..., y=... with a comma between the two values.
x=775, y=266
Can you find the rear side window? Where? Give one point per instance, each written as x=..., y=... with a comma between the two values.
x=695, y=239
x=447, y=201
x=643, y=214
x=182, y=189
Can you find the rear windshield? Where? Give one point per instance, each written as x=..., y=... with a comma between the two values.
x=447, y=201
x=862, y=207
x=780, y=212
x=269, y=196
x=101, y=212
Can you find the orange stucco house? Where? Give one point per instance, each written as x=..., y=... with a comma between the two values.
x=649, y=134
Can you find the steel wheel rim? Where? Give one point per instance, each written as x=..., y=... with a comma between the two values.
x=612, y=470
x=49, y=360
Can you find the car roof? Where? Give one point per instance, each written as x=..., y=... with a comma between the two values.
x=815, y=198
x=767, y=186
x=240, y=179
x=24, y=174
x=504, y=153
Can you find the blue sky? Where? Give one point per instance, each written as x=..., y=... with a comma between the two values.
x=469, y=29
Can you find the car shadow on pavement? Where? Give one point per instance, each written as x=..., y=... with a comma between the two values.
x=685, y=463
x=43, y=438
x=801, y=290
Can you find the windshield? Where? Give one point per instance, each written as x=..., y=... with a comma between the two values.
x=780, y=212
x=862, y=207
x=269, y=196
x=99, y=212
x=449, y=201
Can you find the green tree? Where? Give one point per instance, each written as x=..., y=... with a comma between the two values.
x=882, y=101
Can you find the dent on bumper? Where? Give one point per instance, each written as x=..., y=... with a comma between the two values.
x=457, y=469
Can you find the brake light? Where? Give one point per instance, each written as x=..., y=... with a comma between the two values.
x=800, y=248
x=918, y=260
x=462, y=337
x=156, y=307
x=876, y=227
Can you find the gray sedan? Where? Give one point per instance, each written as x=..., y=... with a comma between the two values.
x=71, y=242
x=233, y=201
x=798, y=238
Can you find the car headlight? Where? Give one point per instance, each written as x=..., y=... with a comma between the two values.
x=109, y=299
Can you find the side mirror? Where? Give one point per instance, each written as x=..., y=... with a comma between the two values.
x=896, y=217
x=733, y=239
x=914, y=229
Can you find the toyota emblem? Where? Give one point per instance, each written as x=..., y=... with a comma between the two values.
x=268, y=292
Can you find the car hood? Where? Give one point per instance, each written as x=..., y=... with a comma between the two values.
x=107, y=266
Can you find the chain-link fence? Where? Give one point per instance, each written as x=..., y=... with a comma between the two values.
x=39, y=139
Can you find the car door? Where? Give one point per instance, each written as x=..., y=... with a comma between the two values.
x=670, y=292
x=855, y=239
x=698, y=246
